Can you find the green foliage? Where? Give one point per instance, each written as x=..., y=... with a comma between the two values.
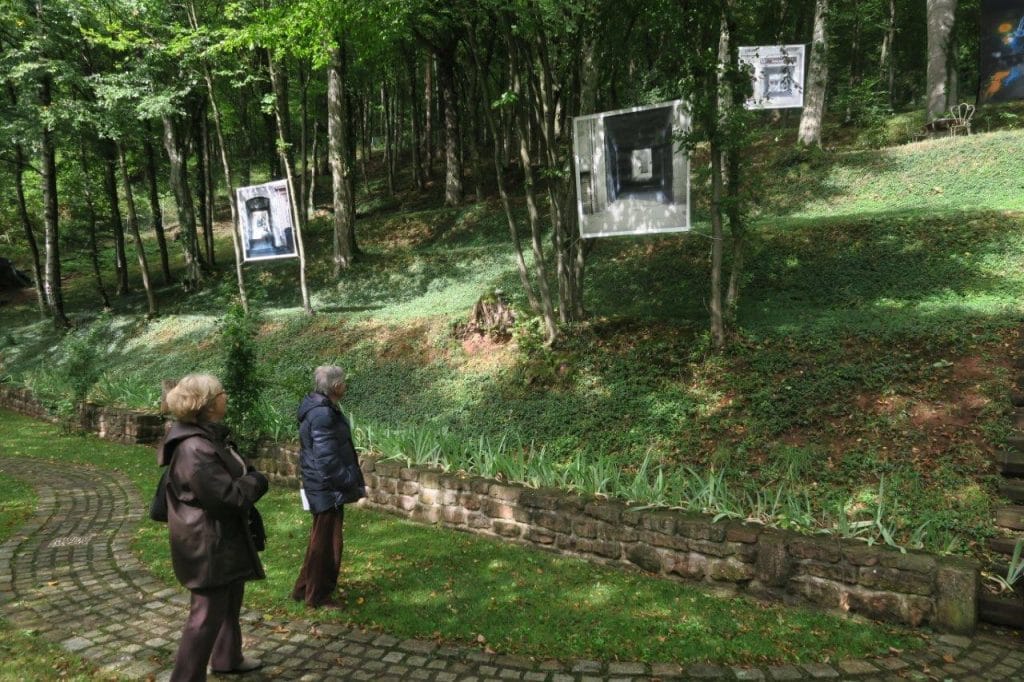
x=242, y=377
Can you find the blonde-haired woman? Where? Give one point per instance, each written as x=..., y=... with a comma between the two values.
x=210, y=494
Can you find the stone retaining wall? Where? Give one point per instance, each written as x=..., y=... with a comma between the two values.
x=111, y=423
x=879, y=582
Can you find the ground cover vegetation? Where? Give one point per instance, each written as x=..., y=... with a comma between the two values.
x=416, y=581
x=838, y=360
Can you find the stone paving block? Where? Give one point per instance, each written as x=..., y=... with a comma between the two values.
x=586, y=667
x=703, y=671
x=820, y=671
x=747, y=674
x=853, y=667
x=618, y=668
x=666, y=670
x=785, y=672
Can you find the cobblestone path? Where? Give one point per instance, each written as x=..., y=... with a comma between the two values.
x=69, y=574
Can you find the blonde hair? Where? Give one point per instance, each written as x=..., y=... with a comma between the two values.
x=192, y=396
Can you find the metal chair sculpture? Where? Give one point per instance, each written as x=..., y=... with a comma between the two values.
x=961, y=116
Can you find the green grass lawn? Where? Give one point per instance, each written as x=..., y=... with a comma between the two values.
x=424, y=582
x=873, y=341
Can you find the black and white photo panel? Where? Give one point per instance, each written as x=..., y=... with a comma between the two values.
x=265, y=222
x=776, y=74
x=632, y=173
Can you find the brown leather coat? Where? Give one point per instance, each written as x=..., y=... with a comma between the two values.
x=208, y=502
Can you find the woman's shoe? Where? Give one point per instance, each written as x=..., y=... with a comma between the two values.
x=246, y=666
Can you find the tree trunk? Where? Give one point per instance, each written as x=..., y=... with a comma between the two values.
x=208, y=78
x=48, y=172
x=311, y=196
x=887, y=60
x=202, y=194
x=386, y=105
x=208, y=188
x=817, y=80
x=453, y=164
x=26, y=223
x=154, y=208
x=414, y=118
x=303, y=142
x=133, y=225
x=940, y=28
x=428, y=114
x=116, y=224
x=337, y=141
x=183, y=200
x=90, y=207
x=280, y=86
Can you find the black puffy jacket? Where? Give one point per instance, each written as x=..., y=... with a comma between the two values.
x=327, y=456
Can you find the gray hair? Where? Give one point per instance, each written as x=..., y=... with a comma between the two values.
x=327, y=377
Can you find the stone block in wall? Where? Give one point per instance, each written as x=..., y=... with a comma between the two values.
x=746, y=533
x=617, y=533
x=915, y=562
x=860, y=555
x=608, y=511
x=497, y=509
x=469, y=500
x=430, y=495
x=659, y=522
x=818, y=591
x=539, y=536
x=645, y=556
x=409, y=474
x=425, y=513
x=430, y=479
x=604, y=548
x=698, y=527
x=741, y=551
x=368, y=463
x=689, y=565
x=454, y=515
x=478, y=521
x=709, y=548
x=540, y=498
x=729, y=570
x=774, y=564
x=507, y=529
x=449, y=497
x=479, y=485
x=505, y=492
x=956, y=604
x=389, y=468
x=664, y=541
x=896, y=608
x=570, y=503
x=839, y=571
x=895, y=580
x=454, y=482
x=388, y=485
x=584, y=527
x=553, y=521
x=408, y=487
x=405, y=502
x=816, y=548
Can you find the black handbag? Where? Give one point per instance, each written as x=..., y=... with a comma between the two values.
x=257, y=529
x=158, y=507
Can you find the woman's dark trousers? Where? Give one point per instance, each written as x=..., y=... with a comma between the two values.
x=319, y=575
x=211, y=633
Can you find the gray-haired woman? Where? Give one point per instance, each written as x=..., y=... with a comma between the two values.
x=210, y=493
x=331, y=478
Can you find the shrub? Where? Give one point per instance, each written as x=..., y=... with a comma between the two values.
x=242, y=377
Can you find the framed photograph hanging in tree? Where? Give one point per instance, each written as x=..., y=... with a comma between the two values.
x=632, y=173
x=777, y=76
x=265, y=222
